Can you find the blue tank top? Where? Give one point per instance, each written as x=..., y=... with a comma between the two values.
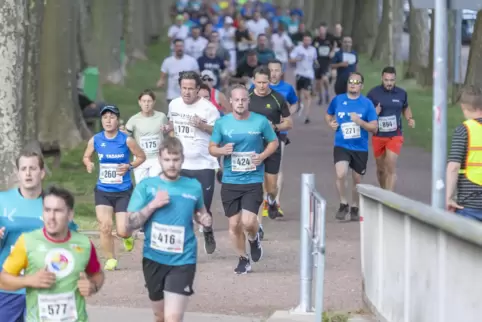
x=111, y=153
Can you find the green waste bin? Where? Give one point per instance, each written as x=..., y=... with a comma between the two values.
x=91, y=82
x=122, y=51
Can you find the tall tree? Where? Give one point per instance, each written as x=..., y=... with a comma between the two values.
x=474, y=66
x=398, y=22
x=419, y=45
x=348, y=17
x=137, y=34
x=13, y=16
x=366, y=25
x=383, y=50
x=425, y=77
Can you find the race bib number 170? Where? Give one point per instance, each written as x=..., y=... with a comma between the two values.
x=184, y=129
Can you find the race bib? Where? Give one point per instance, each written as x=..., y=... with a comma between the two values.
x=149, y=143
x=167, y=238
x=57, y=307
x=108, y=174
x=292, y=29
x=349, y=58
x=350, y=130
x=323, y=51
x=184, y=129
x=242, y=162
x=387, y=123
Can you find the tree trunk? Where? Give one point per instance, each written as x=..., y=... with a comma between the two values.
x=165, y=13
x=136, y=38
x=322, y=11
x=398, y=21
x=309, y=9
x=425, y=78
x=153, y=9
x=107, y=22
x=58, y=122
x=384, y=43
x=451, y=42
x=348, y=17
x=366, y=27
x=337, y=12
x=12, y=61
x=419, y=41
x=474, y=66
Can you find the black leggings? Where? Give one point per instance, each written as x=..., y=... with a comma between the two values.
x=206, y=178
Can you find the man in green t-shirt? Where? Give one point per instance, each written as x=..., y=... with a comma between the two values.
x=57, y=266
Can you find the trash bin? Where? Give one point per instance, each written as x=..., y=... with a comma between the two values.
x=91, y=82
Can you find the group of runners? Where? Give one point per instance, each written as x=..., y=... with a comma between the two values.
x=238, y=136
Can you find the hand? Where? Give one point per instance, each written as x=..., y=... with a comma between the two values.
x=41, y=279
x=160, y=83
x=411, y=123
x=205, y=220
x=2, y=232
x=166, y=128
x=85, y=286
x=90, y=167
x=355, y=118
x=344, y=64
x=257, y=159
x=227, y=149
x=452, y=205
x=122, y=169
x=196, y=122
x=378, y=108
x=334, y=125
x=160, y=200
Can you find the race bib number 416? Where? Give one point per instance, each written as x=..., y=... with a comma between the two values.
x=350, y=130
x=57, y=307
x=242, y=162
x=167, y=238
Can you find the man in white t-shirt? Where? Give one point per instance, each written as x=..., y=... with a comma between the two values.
x=172, y=66
x=195, y=44
x=192, y=118
x=258, y=25
x=305, y=57
x=227, y=35
x=178, y=30
x=281, y=43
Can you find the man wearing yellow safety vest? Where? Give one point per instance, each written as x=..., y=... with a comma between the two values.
x=464, y=168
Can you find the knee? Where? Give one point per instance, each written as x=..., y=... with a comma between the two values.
x=235, y=229
x=159, y=317
x=249, y=221
x=105, y=226
x=341, y=175
x=122, y=232
x=356, y=178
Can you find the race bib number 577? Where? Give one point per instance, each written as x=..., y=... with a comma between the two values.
x=57, y=307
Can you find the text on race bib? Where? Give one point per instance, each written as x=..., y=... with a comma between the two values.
x=149, y=143
x=184, y=129
x=350, y=130
x=167, y=238
x=108, y=174
x=242, y=162
x=323, y=50
x=349, y=58
x=292, y=29
x=57, y=307
x=387, y=123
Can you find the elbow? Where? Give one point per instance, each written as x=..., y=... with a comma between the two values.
x=289, y=125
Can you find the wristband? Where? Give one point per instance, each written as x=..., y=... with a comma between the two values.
x=131, y=167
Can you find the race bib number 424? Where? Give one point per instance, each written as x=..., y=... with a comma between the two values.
x=350, y=130
x=242, y=162
x=57, y=307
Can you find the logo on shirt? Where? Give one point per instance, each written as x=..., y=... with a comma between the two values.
x=345, y=103
x=341, y=114
x=115, y=156
x=100, y=155
x=103, y=144
x=395, y=100
x=229, y=133
x=188, y=196
x=268, y=106
x=9, y=214
x=77, y=248
x=60, y=262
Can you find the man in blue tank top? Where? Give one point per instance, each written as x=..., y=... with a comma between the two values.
x=114, y=186
x=240, y=138
x=165, y=206
x=22, y=212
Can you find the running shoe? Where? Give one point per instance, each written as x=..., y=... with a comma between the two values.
x=256, y=249
x=244, y=266
x=261, y=232
x=354, y=214
x=342, y=211
x=273, y=210
x=209, y=242
x=128, y=243
x=280, y=211
x=110, y=264
x=265, y=209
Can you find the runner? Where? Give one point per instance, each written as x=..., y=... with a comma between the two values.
x=165, y=206
x=22, y=212
x=305, y=57
x=114, y=187
x=193, y=120
x=265, y=101
x=391, y=103
x=61, y=266
x=345, y=62
x=240, y=137
x=147, y=127
x=281, y=43
x=216, y=97
x=324, y=46
x=351, y=116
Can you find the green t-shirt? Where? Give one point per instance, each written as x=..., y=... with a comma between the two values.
x=147, y=131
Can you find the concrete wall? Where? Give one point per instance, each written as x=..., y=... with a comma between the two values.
x=419, y=264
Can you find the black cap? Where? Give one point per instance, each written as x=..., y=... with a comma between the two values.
x=110, y=108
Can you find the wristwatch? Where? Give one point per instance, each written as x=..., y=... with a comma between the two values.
x=131, y=166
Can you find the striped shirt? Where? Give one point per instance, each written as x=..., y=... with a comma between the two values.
x=468, y=193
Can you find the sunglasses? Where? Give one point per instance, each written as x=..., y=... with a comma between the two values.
x=355, y=82
x=208, y=79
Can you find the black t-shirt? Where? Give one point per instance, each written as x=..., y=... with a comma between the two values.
x=216, y=65
x=245, y=70
x=337, y=40
x=273, y=106
x=297, y=38
x=84, y=101
x=323, y=47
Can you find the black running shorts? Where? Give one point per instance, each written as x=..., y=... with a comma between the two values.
x=357, y=160
x=237, y=197
x=117, y=200
x=206, y=178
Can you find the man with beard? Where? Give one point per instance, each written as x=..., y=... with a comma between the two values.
x=391, y=103
x=352, y=116
x=345, y=62
x=172, y=66
x=166, y=206
x=245, y=70
x=192, y=119
x=240, y=138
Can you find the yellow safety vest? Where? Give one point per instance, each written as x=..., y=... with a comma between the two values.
x=473, y=159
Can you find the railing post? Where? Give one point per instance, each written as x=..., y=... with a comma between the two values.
x=320, y=256
x=306, y=249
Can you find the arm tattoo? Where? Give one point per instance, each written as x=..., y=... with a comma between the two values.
x=136, y=220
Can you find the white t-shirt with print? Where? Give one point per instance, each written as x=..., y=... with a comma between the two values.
x=194, y=141
x=227, y=37
x=280, y=45
x=257, y=27
x=178, y=32
x=172, y=66
x=195, y=47
x=304, y=67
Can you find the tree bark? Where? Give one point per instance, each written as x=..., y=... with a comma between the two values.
x=13, y=32
x=107, y=22
x=425, y=78
x=348, y=17
x=365, y=28
x=384, y=42
x=153, y=9
x=398, y=21
x=58, y=121
x=337, y=12
x=419, y=41
x=474, y=66
x=137, y=37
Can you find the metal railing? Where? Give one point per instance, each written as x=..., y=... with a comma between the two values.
x=312, y=247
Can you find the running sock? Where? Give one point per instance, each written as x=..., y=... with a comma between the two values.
x=251, y=238
x=271, y=201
